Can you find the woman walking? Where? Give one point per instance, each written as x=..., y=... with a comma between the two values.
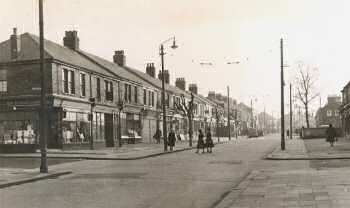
x=200, y=142
x=209, y=141
x=331, y=134
x=171, y=139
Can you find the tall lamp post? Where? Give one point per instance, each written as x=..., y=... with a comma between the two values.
x=228, y=113
x=43, y=103
x=91, y=118
x=283, y=147
x=162, y=53
x=120, y=108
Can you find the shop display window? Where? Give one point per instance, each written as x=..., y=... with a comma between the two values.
x=18, y=132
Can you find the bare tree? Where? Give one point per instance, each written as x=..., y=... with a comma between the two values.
x=305, y=87
x=187, y=110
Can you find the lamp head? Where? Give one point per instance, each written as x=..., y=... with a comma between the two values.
x=174, y=46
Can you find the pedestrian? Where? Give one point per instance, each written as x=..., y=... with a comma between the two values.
x=209, y=141
x=171, y=139
x=200, y=142
x=331, y=134
x=157, y=136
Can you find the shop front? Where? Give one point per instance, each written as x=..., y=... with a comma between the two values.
x=19, y=131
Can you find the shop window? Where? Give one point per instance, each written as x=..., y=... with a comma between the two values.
x=75, y=128
x=18, y=132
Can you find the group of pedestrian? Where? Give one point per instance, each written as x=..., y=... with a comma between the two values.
x=209, y=144
x=171, y=138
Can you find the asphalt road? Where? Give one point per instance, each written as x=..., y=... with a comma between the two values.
x=180, y=180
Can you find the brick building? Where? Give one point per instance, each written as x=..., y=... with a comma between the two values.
x=73, y=77
x=329, y=113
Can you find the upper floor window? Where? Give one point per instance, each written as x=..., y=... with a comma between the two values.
x=83, y=84
x=145, y=97
x=127, y=93
x=3, y=81
x=3, y=86
x=152, y=98
x=135, y=95
x=149, y=98
x=68, y=81
x=329, y=113
x=98, y=88
x=109, y=90
x=336, y=113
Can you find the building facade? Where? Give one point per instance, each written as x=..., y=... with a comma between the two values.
x=79, y=83
x=329, y=113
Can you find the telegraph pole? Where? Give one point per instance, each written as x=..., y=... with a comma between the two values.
x=228, y=113
x=283, y=147
x=290, y=112
x=43, y=105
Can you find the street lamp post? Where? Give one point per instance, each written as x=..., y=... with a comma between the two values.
x=162, y=53
x=120, y=108
x=282, y=100
x=228, y=113
x=92, y=103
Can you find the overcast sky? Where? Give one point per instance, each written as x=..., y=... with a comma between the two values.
x=315, y=32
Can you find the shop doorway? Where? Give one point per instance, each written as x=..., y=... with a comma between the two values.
x=109, y=130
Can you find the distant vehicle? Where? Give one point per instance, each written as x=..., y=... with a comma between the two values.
x=252, y=132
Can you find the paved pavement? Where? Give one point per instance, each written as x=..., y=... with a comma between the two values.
x=126, y=152
x=320, y=182
x=22, y=168
x=312, y=149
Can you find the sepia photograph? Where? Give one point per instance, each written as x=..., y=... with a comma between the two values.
x=174, y=104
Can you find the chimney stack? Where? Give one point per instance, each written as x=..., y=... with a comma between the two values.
x=180, y=83
x=119, y=57
x=71, y=40
x=193, y=88
x=151, y=70
x=211, y=95
x=166, y=76
x=15, y=44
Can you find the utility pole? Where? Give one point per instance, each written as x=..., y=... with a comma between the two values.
x=228, y=113
x=264, y=119
x=283, y=147
x=290, y=112
x=43, y=104
x=251, y=110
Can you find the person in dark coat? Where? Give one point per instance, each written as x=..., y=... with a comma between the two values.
x=157, y=136
x=209, y=141
x=330, y=132
x=200, y=142
x=171, y=139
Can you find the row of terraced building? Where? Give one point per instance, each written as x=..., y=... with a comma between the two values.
x=73, y=78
